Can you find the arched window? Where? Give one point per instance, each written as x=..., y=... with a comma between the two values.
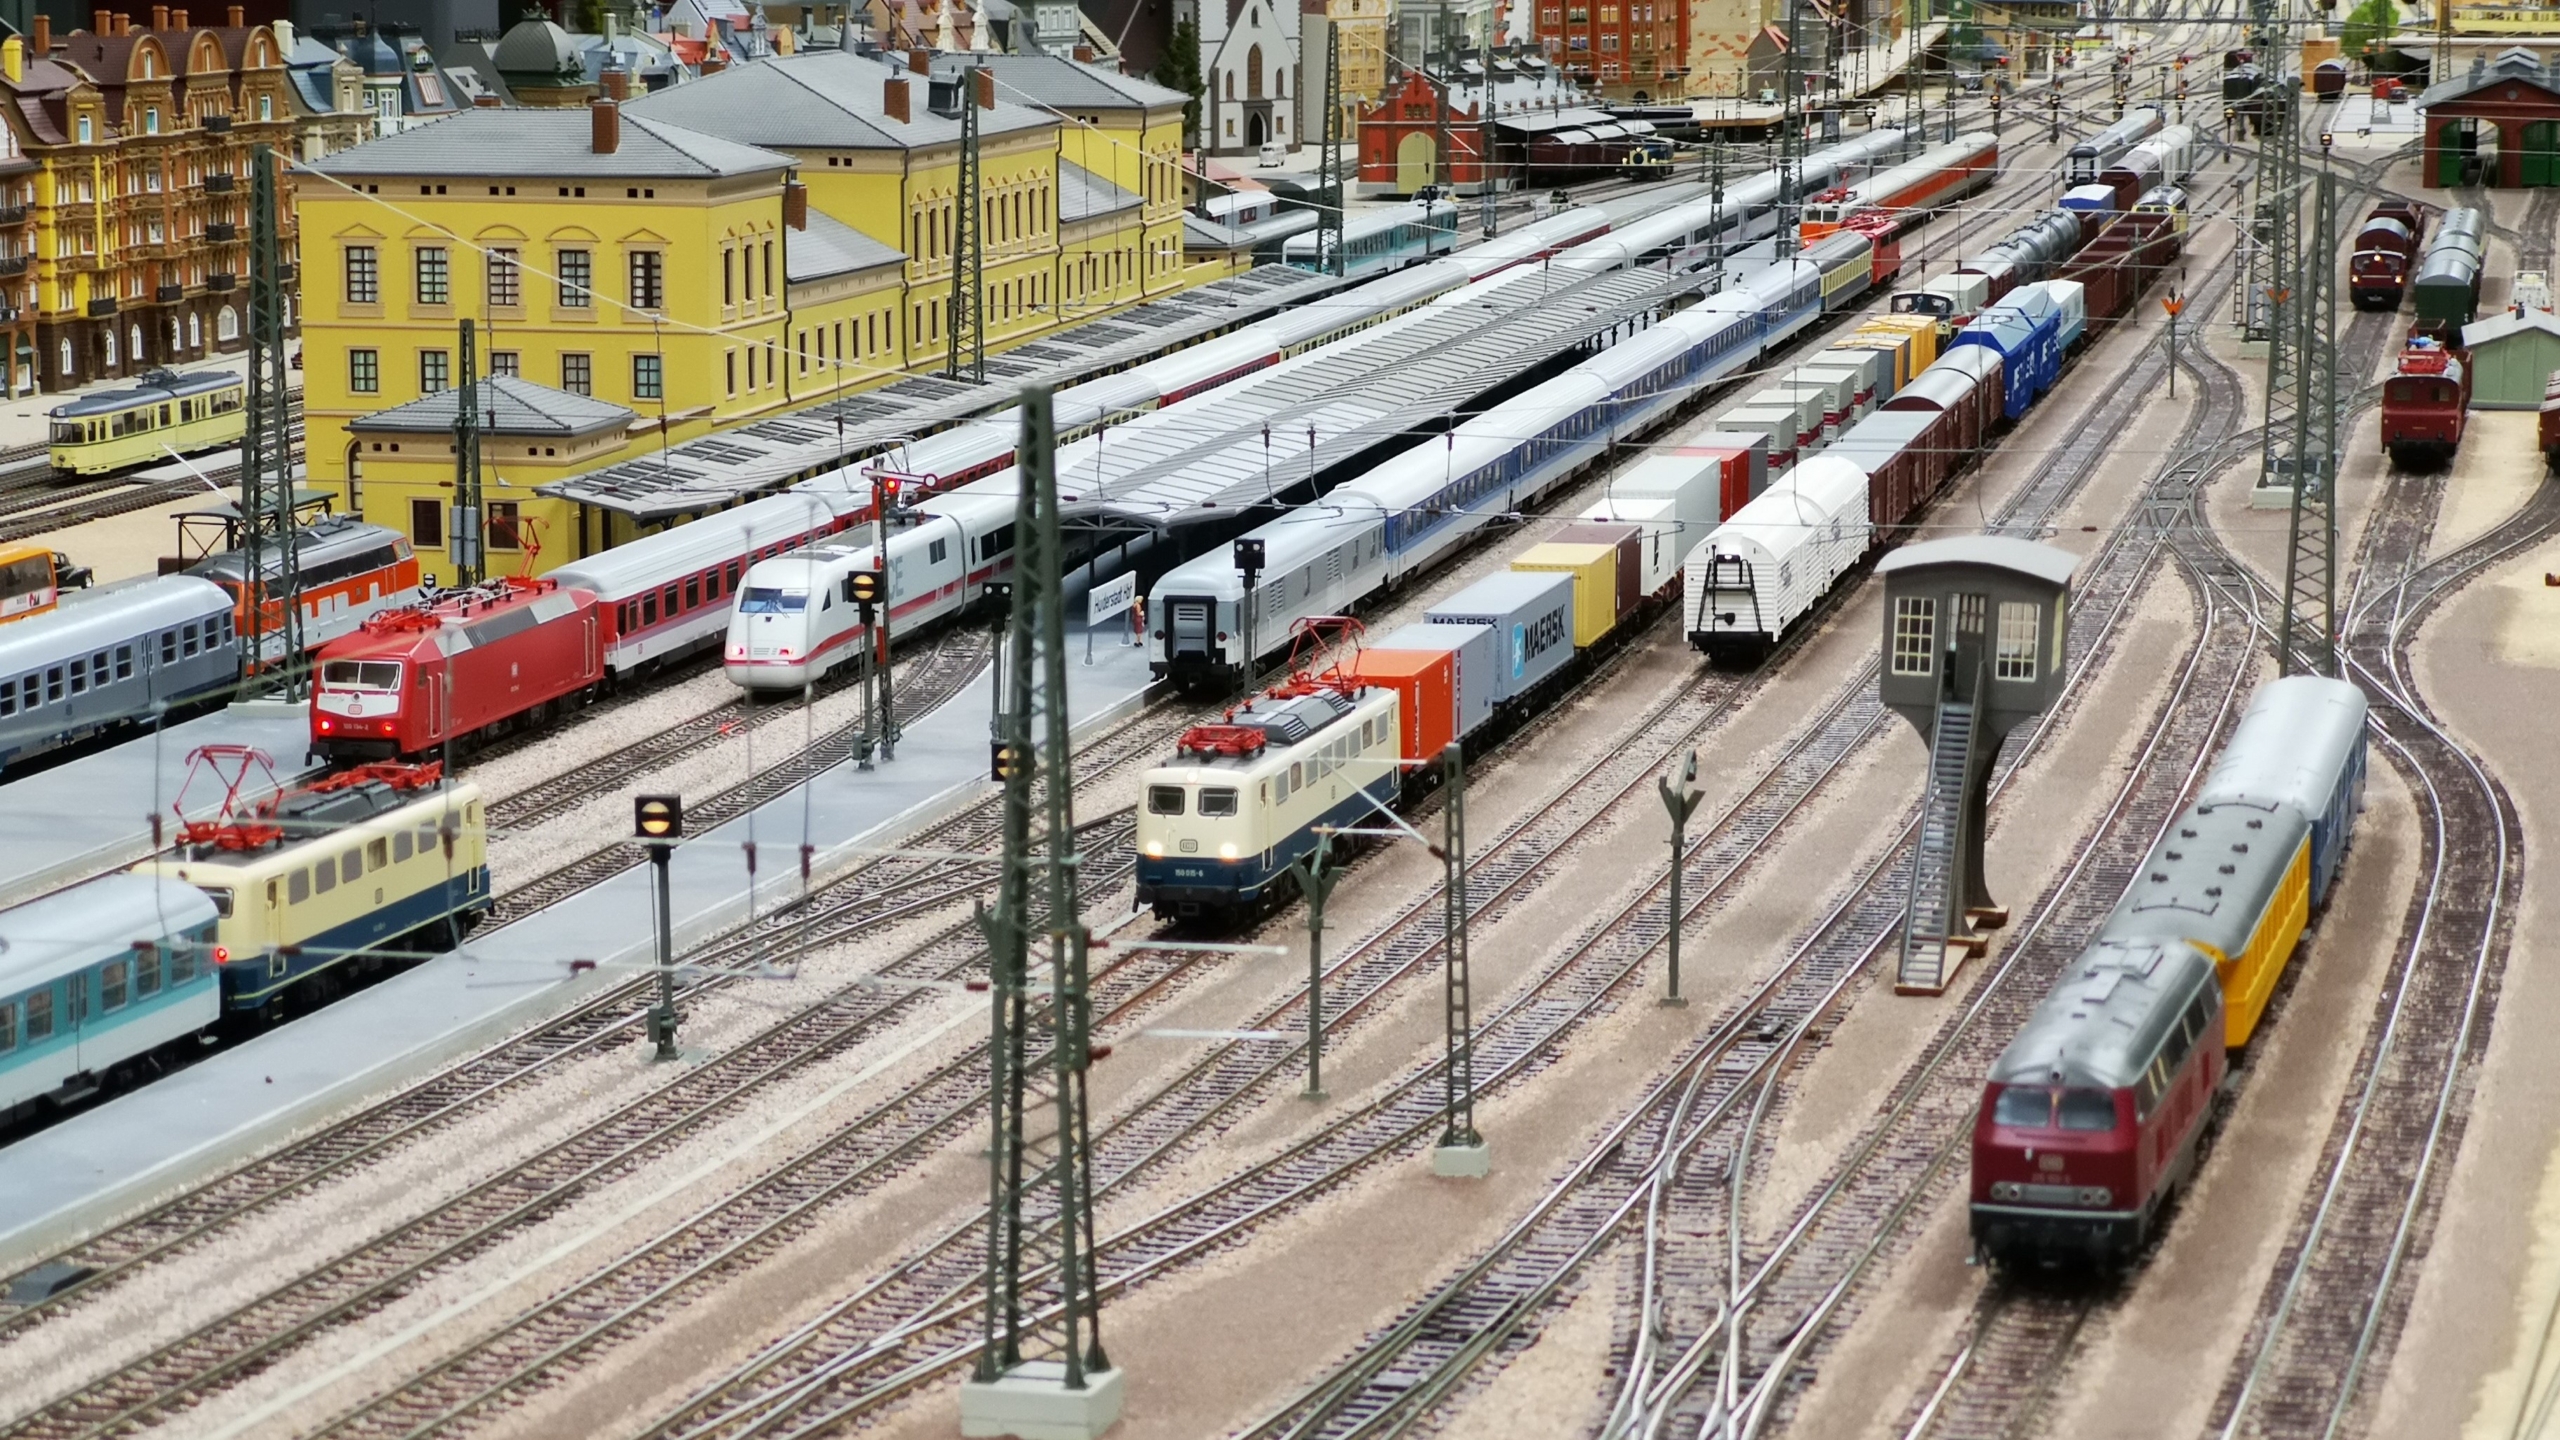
x=1253, y=73
x=63, y=376
x=136, y=332
x=111, y=349
x=195, y=331
x=226, y=326
x=1231, y=85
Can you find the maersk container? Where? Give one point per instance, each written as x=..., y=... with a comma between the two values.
x=1532, y=620
x=1593, y=567
x=1478, y=674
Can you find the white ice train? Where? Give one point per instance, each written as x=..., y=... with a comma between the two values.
x=796, y=618
x=1768, y=566
x=1367, y=535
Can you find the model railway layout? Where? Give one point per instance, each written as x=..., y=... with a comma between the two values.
x=926, y=938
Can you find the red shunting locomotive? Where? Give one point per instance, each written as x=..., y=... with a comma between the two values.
x=2425, y=403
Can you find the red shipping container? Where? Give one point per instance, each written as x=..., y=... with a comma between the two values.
x=416, y=677
x=1426, y=682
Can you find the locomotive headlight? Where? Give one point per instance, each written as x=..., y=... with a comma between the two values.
x=1155, y=849
x=2004, y=1190
x=1227, y=851
x=2097, y=1196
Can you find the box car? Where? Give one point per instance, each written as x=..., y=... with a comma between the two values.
x=467, y=663
x=2018, y=343
x=1594, y=568
x=1748, y=584
x=1966, y=387
x=1904, y=465
x=2547, y=423
x=1425, y=683
x=1532, y=619
x=1477, y=665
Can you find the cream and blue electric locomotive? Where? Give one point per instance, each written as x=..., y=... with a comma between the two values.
x=365, y=860
x=2092, y=1118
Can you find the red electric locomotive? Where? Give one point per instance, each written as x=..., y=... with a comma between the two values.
x=2092, y=1115
x=463, y=665
x=2378, y=274
x=2424, y=405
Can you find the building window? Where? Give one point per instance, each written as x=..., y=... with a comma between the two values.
x=505, y=530
x=364, y=278
x=728, y=277
x=577, y=374
x=576, y=276
x=731, y=360
x=364, y=371
x=505, y=362
x=88, y=131
x=1915, y=634
x=2016, y=656
x=648, y=276
x=434, y=373
x=768, y=269
x=506, y=280
x=266, y=107
x=648, y=377
x=426, y=524
x=433, y=276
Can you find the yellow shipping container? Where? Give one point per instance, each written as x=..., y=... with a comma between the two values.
x=1594, y=569
x=1923, y=330
x=1897, y=346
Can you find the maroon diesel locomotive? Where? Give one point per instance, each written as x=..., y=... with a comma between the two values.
x=2424, y=404
x=2386, y=248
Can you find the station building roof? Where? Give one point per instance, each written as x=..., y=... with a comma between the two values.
x=831, y=247
x=718, y=470
x=543, y=143
x=508, y=405
x=821, y=100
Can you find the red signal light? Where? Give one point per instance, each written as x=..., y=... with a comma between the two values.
x=221, y=954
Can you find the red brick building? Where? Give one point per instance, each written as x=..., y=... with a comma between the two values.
x=2502, y=118
x=1622, y=48
x=1399, y=138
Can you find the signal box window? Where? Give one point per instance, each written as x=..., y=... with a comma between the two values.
x=1165, y=799
x=506, y=526
x=2016, y=658
x=1915, y=634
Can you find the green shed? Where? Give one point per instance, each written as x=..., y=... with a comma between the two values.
x=2512, y=356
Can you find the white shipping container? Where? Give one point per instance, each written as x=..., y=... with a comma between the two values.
x=1666, y=541
x=1691, y=482
x=1776, y=424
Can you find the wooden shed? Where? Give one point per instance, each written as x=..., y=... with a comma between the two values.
x=2512, y=356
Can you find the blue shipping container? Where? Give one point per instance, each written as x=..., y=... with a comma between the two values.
x=2008, y=335
x=1531, y=613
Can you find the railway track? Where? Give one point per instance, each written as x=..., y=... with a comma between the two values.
x=866, y=1352
x=939, y=673
x=886, y=890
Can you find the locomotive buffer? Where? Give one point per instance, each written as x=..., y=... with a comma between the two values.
x=1973, y=644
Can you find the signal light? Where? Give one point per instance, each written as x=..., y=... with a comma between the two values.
x=867, y=587
x=1004, y=762
x=657, y=817
x=221, y=954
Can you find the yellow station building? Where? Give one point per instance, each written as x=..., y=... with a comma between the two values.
x=717, y=252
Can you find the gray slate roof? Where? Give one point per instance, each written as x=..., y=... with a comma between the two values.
x=542, y=143
x=2044, y=562
x=1060, y=83
x=819, y=100
x=831, y=247
x=509, y=405
x=1082, y=194
x=2515, y=64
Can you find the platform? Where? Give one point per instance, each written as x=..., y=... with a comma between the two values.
x=64, y=1181
x=85, y=817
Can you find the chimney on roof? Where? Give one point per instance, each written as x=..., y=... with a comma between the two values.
x=485, y=101
x=124, y=23
x=178, y=21
x=43, y=43
x=159, y=17
x=893, y=99
x=795, y=204
x=1085, y=53
x=607, y=127
x=983, y=80
x=102, y=22
x=919, y=62
x=235, y=16
x=617, y=83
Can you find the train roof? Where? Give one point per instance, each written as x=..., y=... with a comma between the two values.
x=467, y=620
x=2209, y=876
x=2105, y=1016
x=2294, y=744
x=114, y=616
x=1816, y=498
x=652, y=560
x=71, y=930
x=332, y=537
x=156, y=386
x=307, y=817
